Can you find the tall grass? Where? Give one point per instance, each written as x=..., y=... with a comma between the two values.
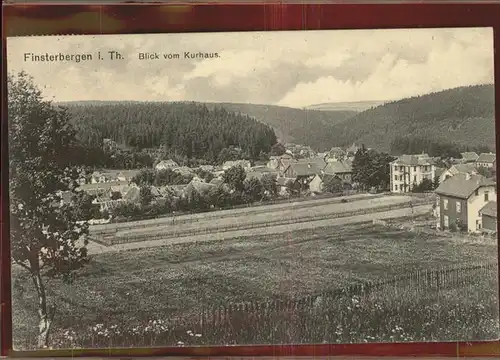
x=443, y=305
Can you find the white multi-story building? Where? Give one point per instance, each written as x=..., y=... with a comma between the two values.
x=410, y=170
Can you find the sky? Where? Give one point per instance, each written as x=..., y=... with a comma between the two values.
x=288, y=68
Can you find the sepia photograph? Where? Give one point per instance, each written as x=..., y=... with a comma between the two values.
x=252, y=188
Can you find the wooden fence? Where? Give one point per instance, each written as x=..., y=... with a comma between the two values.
x=417, y=283
x=173, y=233
x=248, y=209
x=400, y=300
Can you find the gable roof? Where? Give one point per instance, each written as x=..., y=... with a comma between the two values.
x=469, y=156
x=254, y=174
x=243, y=163
x=319, y=161
x=132, y=195
x=463, y=168
x=168, y=162
x=461, y=187
x=305, y=169
x=337, y=167
x=353, y=148
x=128, y=174
x=101, y=186
x=487, y=158
x=490, y=209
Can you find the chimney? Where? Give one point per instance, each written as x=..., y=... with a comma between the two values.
x=467, y=176
x=309, y=165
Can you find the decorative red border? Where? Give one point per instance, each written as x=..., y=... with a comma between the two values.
x=36, y=19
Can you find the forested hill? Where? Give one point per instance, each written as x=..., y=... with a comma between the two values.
x=188, y=129
x=463, y=116
x=307, y=127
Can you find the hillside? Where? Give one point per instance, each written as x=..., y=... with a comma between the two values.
x=188, y=129
x=463, y=116
x=356, y=106
x=308, y=127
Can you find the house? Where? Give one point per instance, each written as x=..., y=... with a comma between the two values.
x=342, y=170
x=183, y=170
x=273, y=162
x=132, y=195
x=208, y=168
x=316, y=184
x=245, y=164
x=254, y=175
x=468, y=168
x=469, y=157
x=460, y=198
x=337, y=154
x=282, y=184
x=166, y=164
x=408, y=171
x=488, y=214
x=319, y=161
x=488, y=160
x=352, y=150
x=109, y=145
x=127, y=175
x=284, y=162
x=302, y=173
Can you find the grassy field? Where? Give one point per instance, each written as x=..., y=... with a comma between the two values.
x=175, y=282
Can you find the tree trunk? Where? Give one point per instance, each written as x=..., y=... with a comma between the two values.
x=45, y=314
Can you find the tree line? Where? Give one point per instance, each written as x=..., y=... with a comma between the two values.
x=416, y=145
x=371, y=169
x=235, y=190
x=189, y=130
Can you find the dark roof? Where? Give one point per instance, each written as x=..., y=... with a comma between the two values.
x=337, y=167
x=462, y=187
x=305, y=169
x=490, y=209
x=486, y=158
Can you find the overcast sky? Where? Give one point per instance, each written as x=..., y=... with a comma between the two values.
x=293, y=68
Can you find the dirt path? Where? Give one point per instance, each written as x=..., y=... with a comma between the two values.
x=95, y=248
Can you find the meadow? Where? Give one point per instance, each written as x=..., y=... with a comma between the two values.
x=155, y=296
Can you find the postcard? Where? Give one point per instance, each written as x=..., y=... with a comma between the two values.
x=288, y=187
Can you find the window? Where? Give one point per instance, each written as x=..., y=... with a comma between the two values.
x=445, y=204
x=414, y=168
x=458, y=206
x=414, y=178
x=446, y=221
x=395, y=187
x=476, y=192
x=486, y=196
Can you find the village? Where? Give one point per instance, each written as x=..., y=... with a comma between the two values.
x=463, y=189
